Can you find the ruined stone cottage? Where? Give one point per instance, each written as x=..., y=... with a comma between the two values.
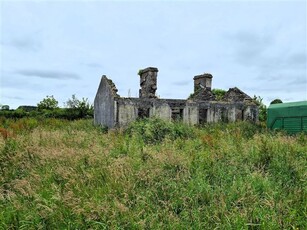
x=202, y=106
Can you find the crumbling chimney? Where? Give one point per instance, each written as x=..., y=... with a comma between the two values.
x=203, y=81
x=148, y=82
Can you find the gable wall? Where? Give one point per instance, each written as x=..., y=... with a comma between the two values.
x=104, y=105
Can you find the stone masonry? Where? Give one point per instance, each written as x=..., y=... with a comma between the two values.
x=112, y=111
x=148, y=82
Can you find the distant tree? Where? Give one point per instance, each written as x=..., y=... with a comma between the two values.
x=5, y=107
x=72, y=103
x=262, y=108
x=27, y=108
x=83, y=106
x=276, y=101
x=48, y=103
x=219, y=93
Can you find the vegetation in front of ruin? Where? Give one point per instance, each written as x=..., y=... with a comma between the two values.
x=262, y=108
x=60, y=174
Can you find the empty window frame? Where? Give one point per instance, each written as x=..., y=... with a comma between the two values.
x=177, y=114
x=143, y=113
x=203, y=116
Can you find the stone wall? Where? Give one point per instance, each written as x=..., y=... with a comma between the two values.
x=129, y=109
x=111, y=110
x=119, y=112
x=235, y=95
x=127, y=112
x=161, y=110
x=227, y=112
x=104, y=102
x=191, y=114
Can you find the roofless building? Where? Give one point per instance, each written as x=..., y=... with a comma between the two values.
x=111, y=110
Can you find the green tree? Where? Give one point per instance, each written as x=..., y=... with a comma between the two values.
x=5, y=107
x=83, y=106
x=276, y=101
x=48, y=103
x=219, y=93
x=262, y=108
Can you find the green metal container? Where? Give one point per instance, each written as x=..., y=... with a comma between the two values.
x=291, y=117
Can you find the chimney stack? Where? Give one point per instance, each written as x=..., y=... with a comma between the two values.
x=203, y=81
x=148, y=82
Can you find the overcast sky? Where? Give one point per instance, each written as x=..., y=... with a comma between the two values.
x=62, y=48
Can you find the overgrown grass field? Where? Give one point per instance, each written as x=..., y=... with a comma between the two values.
x=58, y=174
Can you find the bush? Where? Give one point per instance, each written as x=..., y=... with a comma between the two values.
x=27, y=108
x=262, y=108
x=219, y=93
x=276, y=101
x=5, y=107
x=154, y=130
x=60, y=113
x=80, y=108
x=48, y=103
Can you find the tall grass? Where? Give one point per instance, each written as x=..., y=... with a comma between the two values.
x=57, y=174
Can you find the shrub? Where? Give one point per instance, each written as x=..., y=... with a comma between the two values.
x=80, y=108
x=262, y=108
x=154, y=130
x=219, y=93
x=5, y=107
x=276, y=101
x=48, y=103
x=27, y=108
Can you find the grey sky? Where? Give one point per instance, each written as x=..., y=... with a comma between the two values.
x=62, y=48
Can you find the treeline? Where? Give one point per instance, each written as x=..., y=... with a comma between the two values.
x=60, y=113
x=48, y=108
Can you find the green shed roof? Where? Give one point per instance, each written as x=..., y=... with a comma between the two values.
x=288, y=105
x=291, y=117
